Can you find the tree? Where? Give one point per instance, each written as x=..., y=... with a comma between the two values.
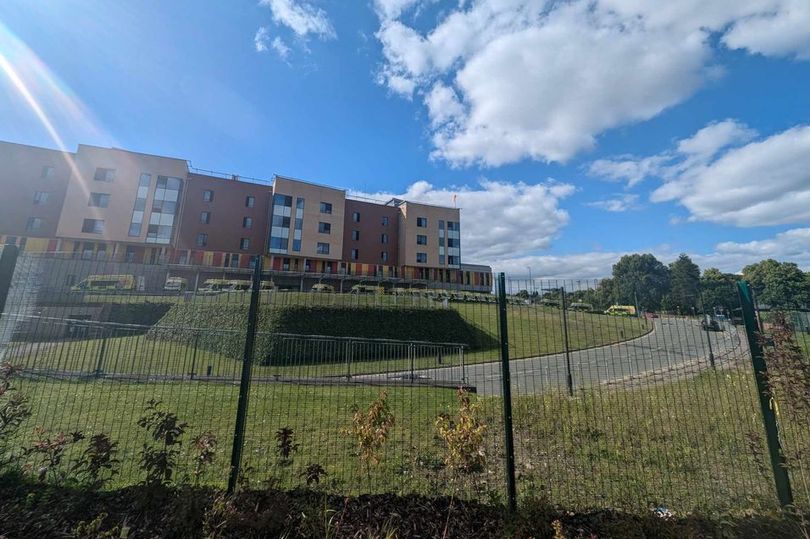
x=778, y=284
x=684, y=277
x=756, y=273
x=605, y=293
x=719, y=290
x=640, y=279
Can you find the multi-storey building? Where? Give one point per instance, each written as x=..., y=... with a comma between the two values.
x=122, y=206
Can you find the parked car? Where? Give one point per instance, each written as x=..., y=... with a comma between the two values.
x=175, y=284
x=711, y=325
x=621, y=310
x=323, y=288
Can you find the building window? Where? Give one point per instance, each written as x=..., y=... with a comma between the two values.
x=205, y=217
x=202, y=240
x=325, y=228
x=384, y=256
x=34, y=223
x=421, y=222
x=326, y=207
x=48, y=172
x=41, y=197
x=134, y=229
x=421, y=258
x=250, y=201
x=453, y=260
x=355, y=235
x=104, y=175
x=208, y=196
x=441, y=224
x=296, y=245
x=384, y=238
x=247, y=222
x=385, y=220
x=231, y=261
x=355, y=254
x=278, y=243
x=99, y=200
x=421, y=239
x=244, y=244
x=145, y=180
x=164, y=210
x=441, y=260
x=322, y=248
x=453, y=242
x=93, y=226
x=356, y=216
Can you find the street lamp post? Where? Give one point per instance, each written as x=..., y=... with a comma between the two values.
x=531, y=280
x=708, y=336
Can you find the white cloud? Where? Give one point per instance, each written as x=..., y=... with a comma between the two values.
x=301, y=17
x=698, y=149
x=443, y=104
x=762, y=183
x=261, y=39
x=391, y=9
x=617, y=203
x=280, y=47
x=627, y=168
x=780, y=32
x=790, y=246
x=721, y=175
x=498, y=218
x=714, y=137
x=542, y=80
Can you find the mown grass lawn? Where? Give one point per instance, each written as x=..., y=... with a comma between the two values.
x=533, y=331
x=693, y=444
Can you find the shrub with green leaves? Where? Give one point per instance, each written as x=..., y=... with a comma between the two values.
x=463, y=436
x=370, y=429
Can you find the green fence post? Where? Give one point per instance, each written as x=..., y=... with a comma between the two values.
x=8, y=260
x=247, y=370
x=752, y=329
x=101, y=353
x=509, y=442
x=569, y=378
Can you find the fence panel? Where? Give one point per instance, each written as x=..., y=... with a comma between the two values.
x=307, y=390
x=786, y=343
x=94, y=341
x=631, y=412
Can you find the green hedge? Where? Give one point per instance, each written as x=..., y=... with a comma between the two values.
x=221, y=329
x=144, y=314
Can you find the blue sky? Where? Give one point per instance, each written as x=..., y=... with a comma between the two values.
x=572, y=132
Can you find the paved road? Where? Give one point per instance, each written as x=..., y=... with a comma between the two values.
x=676, y=347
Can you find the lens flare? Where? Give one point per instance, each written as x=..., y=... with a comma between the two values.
x=49, y=99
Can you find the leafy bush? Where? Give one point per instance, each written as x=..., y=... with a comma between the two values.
x=463, y=437
x=14, y=409
x=98, y=461
x=370, y=429
x=166, y=429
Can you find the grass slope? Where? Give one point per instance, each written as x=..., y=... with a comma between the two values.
x=687, y=445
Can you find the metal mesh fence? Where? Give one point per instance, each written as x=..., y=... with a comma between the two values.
x=625, y=410
x=787, y=350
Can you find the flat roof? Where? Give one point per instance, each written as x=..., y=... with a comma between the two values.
x=299, y=180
